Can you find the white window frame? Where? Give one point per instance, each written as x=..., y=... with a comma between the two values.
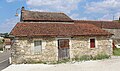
x=34, y=47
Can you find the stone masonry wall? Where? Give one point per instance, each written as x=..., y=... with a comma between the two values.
x=81, y=46
x=23, y=50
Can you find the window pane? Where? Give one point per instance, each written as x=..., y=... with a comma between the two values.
x=37, y=49
x=37, y=46
x=37, y=43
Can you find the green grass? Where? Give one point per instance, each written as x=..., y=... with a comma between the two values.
x=101, y=56
x=1, y=49
x=63, y=61
x=82, y=58
x=77, y=58
x=30, y=61
x=116, y=52
x=1, y=42
x=89, y=57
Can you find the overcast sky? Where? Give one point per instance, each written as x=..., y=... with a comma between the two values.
x=76, y=9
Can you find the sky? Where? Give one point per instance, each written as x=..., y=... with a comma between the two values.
x=75, y=9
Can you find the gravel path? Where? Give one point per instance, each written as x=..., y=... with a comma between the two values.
x=112, y=64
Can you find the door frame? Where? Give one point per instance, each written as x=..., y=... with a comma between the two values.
x=69, y=38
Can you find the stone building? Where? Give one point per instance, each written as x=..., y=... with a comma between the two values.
x=49, y=36
x=110, y=26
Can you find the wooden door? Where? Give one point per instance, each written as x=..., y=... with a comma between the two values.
x=63, y=49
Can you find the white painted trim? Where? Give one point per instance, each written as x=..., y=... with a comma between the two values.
x=32, y=47
x=70, y=45
x=111, y=41
x=10, y=60
x=96, y=46
x=111, y=45
x=42, y=42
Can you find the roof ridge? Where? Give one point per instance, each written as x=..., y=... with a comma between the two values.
x=43, y=23
x=44, y=11
x=95, y=20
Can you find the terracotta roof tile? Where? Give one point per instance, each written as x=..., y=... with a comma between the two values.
x=44, y=16
x=101, y=24
x=56, y=29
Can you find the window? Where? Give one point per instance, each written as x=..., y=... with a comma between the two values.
x=92, y=43
x=63, y=43
x=37, y=46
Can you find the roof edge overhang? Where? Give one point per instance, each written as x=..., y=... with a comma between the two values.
x=60, y=35
x=48, y=20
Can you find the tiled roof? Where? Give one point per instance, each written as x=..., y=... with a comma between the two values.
x=56, y=29
x=44, y=16
x=101, y=24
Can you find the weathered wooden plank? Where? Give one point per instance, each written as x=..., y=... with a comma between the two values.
x=63, y=49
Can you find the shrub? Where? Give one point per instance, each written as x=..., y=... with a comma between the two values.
x=90, y=57
x=63, y=61
x=82, y=58
x=1, y=49
x=30, y=61
x=85, y=58
x=101, y=56
x=116, y=52
x=77, y=58
x=1, y=41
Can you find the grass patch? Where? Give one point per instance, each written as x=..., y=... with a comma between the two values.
x=31, y=61
x=101, y=56
x=1, y=41
x=116, y=52
x=77, y=58
x=90, y=57
x=1, y=49
x=63, y=61
x=82, y=58
x=85, y=58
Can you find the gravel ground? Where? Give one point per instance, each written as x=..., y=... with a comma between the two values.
x=112, y=64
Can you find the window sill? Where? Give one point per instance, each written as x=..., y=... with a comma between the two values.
x=37, y=53
x=92, y=48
